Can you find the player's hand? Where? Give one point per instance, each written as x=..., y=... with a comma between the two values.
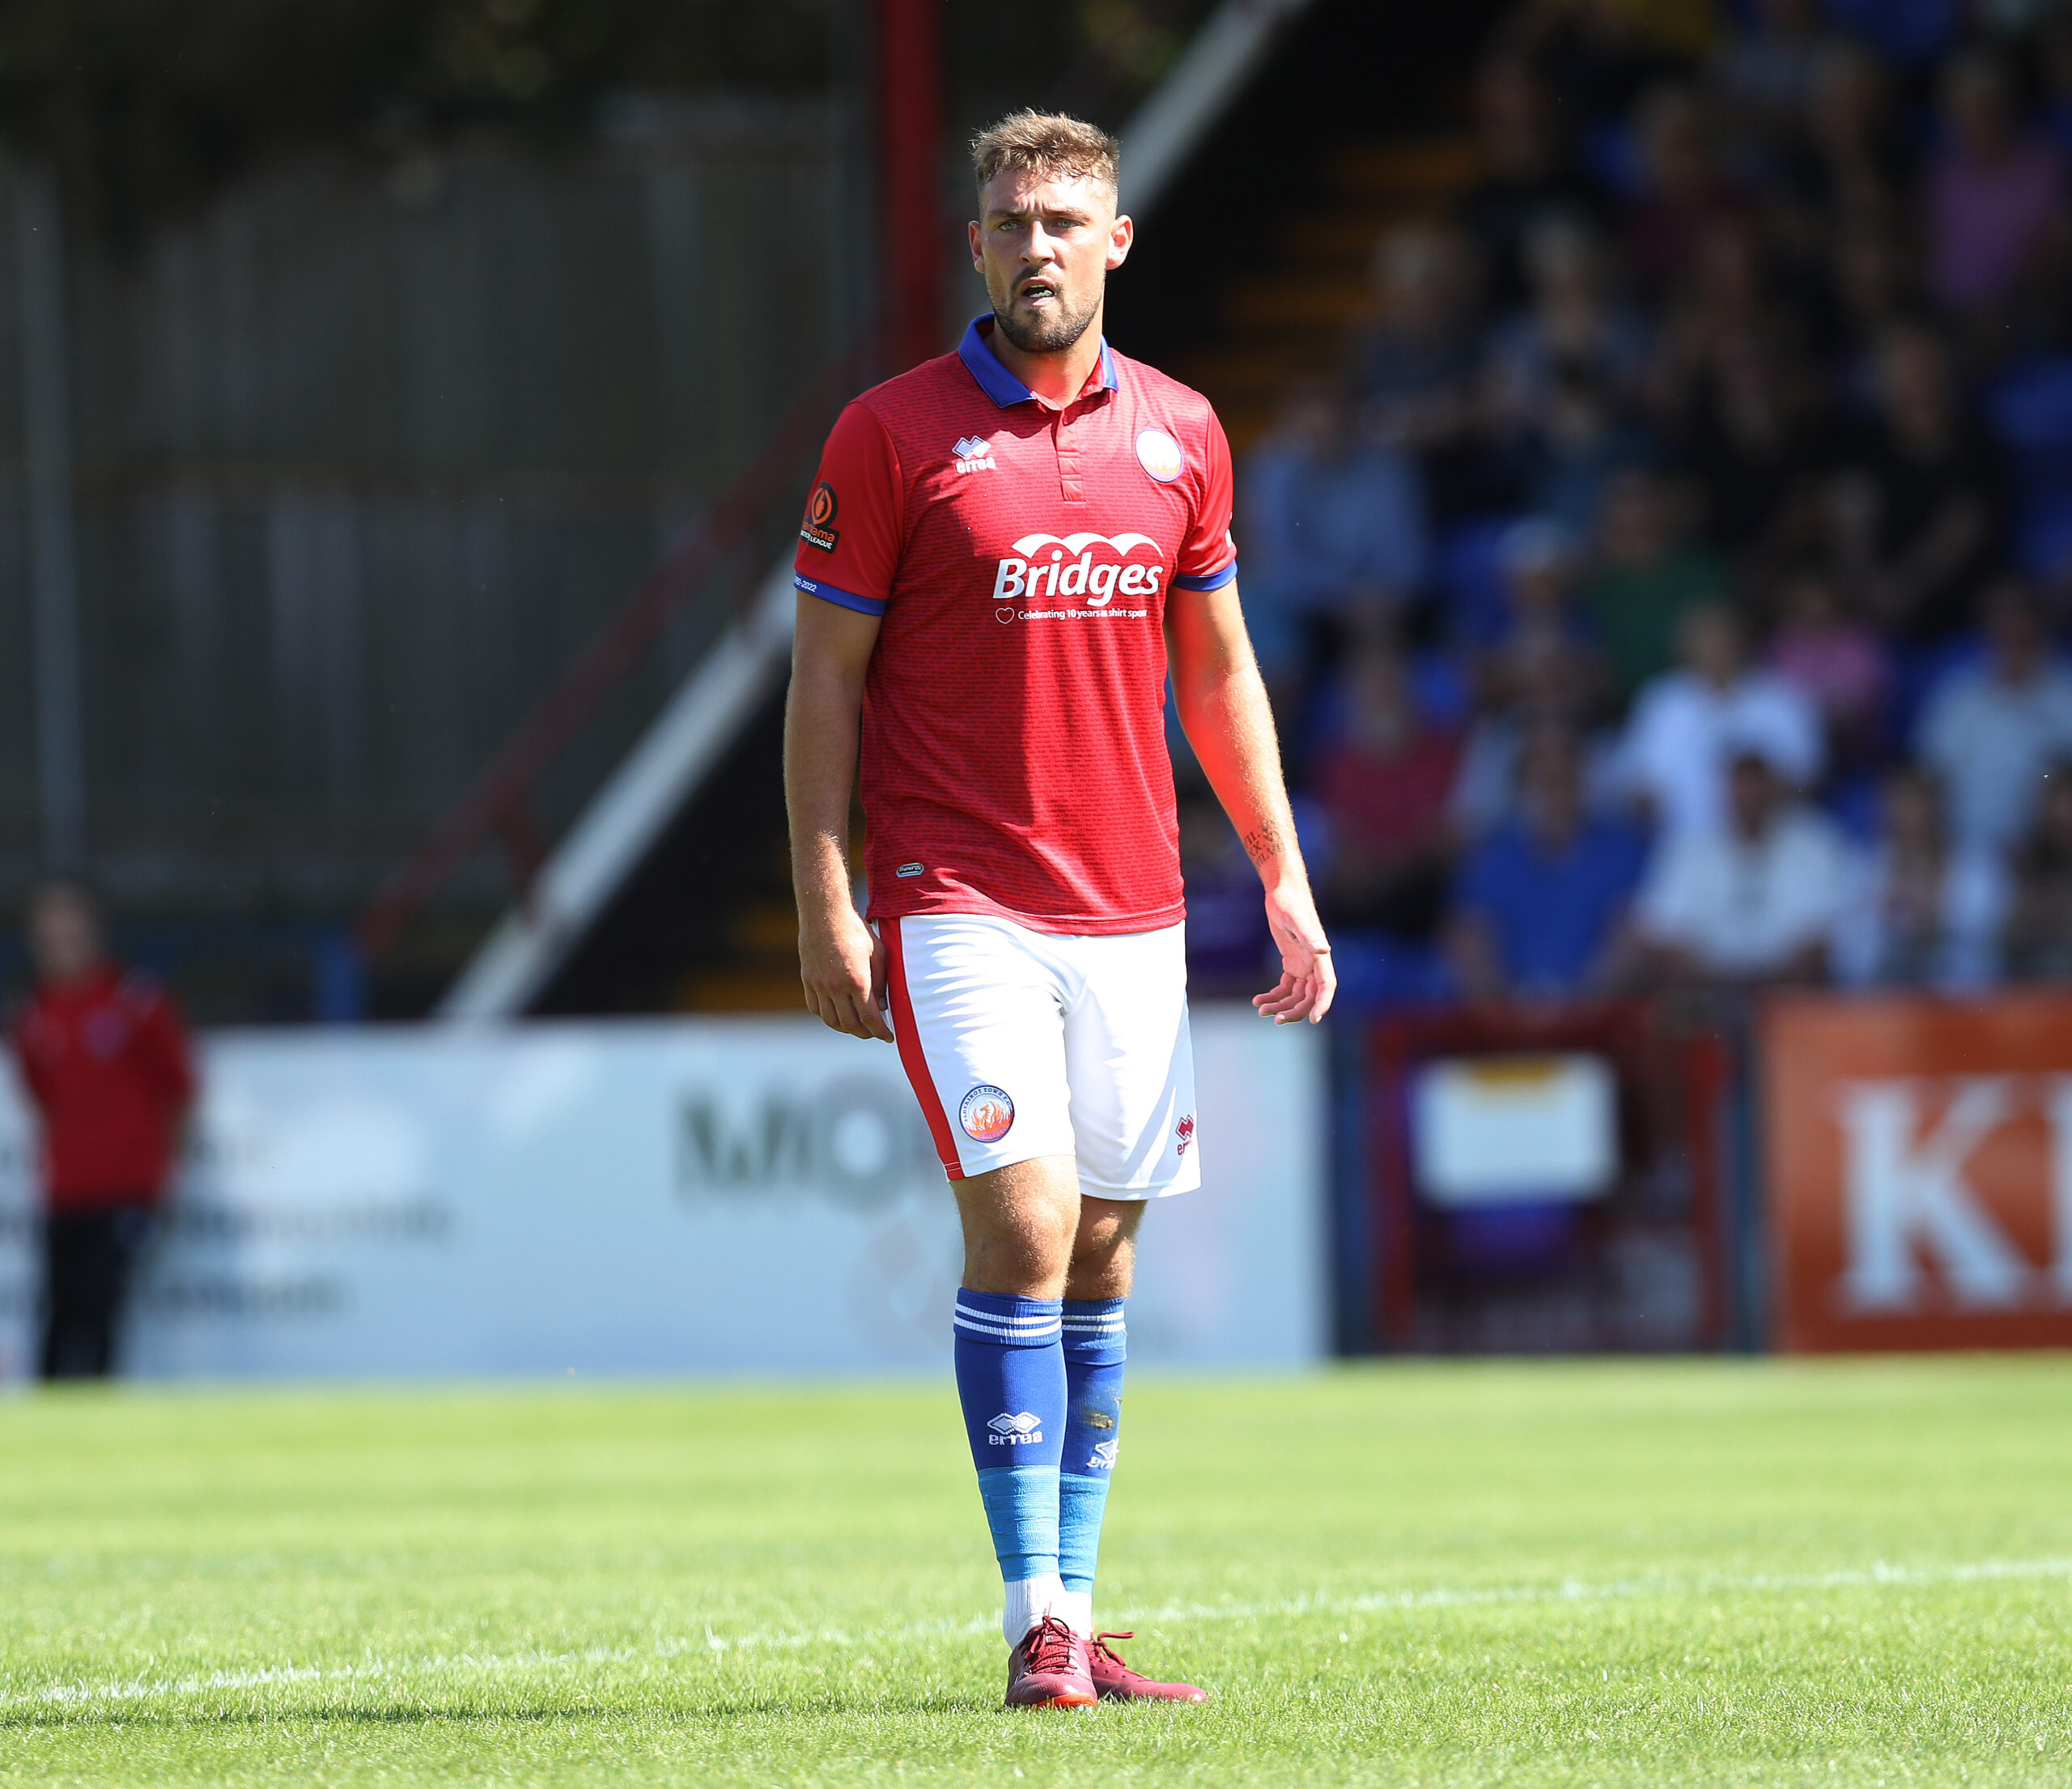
x=842, y=964
x=1307, y=979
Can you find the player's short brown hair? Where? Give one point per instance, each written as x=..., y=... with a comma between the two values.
x=1046, y=143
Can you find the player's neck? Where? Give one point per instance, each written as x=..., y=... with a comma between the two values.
x=1056, y=379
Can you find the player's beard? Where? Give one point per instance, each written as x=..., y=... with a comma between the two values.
x=1048, y=334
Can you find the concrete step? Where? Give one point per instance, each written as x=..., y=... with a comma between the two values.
x=1294, y=299
x=738, y=988
x=1431, y=168
x=766, y=929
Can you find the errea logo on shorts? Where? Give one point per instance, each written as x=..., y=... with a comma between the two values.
x=1011, y=1429
x=1069, y=568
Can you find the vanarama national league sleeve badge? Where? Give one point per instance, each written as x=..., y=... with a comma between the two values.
x=819, y=530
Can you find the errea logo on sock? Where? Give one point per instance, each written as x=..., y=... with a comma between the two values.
x=1014, y=1431
x=1104, y=1454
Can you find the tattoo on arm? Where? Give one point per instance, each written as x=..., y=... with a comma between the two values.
x=1265, y=842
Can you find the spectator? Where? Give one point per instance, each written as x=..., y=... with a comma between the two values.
x=2054, y=65
x=1992, y=195
x=2039, y=934
x=1649, y=575
x=1227, y=936
x=1764, y=76
x=1752, y=898
x=1923, y=911
x=1541, y=679
x=1687, y=724
x=1849, y=168
x=1754, y=439
x=1835, y=660
x=1334, y=527
x=1913, y=33
x=1682, y=195
x=1525, y=173
x=1416, y=368
x=104, y=1061
x=1913, y=517
x=1869, y=289
x=1572, y=333
x=1538, y=566
x=1725, y=298
x=1384, y=783
x=1601, y=54
x=1539, y=906
x=1989, y=729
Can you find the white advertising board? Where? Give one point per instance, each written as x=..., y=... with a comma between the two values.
x=695, y=1195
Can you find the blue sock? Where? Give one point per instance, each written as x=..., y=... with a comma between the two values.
x=1096, y=1344
x=1011, y=1381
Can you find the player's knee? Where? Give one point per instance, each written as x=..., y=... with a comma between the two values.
x=1018, y=1263
x=1100, y=1274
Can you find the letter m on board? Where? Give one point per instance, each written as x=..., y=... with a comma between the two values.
x=1909, y=1200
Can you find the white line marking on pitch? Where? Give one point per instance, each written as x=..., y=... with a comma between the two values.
x=1572, y=1590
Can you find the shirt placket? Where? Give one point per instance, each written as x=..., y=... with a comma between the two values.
x=1064, y=436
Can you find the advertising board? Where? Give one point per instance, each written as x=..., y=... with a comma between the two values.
x=1918, y=1172
x=697, y=1195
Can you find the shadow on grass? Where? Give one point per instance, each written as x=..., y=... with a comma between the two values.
x=129, y=1717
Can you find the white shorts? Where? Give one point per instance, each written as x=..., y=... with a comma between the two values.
x=1019, y=1043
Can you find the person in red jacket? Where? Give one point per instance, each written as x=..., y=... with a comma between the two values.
x=104, y=1058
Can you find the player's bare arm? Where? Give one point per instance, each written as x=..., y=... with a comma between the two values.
x=840, y=963
x=1223, y=707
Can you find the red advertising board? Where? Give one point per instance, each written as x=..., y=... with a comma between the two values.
x=1918, y=1172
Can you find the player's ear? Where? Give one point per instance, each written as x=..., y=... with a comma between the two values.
x=971, y=234
x=1121, y=234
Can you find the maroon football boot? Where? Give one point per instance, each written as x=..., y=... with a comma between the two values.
x=1115, y=1682
x=1049, y=1669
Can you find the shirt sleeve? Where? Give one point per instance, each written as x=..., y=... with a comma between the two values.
x=1209, y=556
x=160, y=1047
x=1670, y=906
x=32, y=1079
x=849, y=537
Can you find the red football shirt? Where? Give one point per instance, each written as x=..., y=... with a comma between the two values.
x=105, y=1062
x=1014, y=757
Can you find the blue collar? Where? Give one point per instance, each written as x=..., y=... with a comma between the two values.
x=997, y=383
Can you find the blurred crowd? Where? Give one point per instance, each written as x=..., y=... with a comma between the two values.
x=1665, y=586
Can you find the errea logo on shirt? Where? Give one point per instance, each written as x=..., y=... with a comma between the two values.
x=974, y=453
x=1068, y=568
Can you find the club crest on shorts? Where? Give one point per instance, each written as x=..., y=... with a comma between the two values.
x=1160, y=455
x=987, y=1115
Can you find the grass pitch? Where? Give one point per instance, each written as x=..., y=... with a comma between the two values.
x=1653, y=1574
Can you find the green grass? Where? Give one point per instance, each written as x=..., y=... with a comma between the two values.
x=1673, y=1573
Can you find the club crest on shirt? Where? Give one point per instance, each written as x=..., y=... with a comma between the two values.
x=987, y=1113
x=1160, y=455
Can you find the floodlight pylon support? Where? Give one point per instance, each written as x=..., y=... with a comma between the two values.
x=909, y=126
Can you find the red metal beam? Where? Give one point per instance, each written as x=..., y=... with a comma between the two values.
x=909, y=126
